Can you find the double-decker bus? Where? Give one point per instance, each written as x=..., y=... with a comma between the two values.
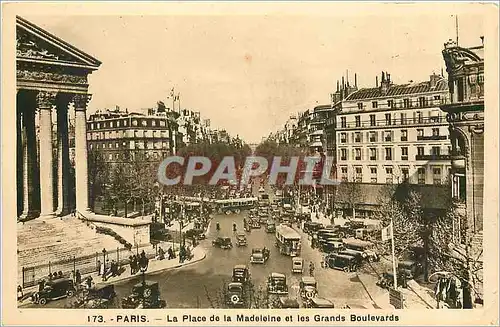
x=229, y=206
x=288, y=241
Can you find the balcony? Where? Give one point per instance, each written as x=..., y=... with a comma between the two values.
x=432, y=157
x=395, y=122
x=404, y=158
x=432, y=137
x=373, y=158
x=388, y=157
x=404, y=138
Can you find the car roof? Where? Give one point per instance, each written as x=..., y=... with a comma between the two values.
x=345, y=256
x=240, y=267
x=148, y=283
x=297, y=259
x=407, y=263
x=58, y=281
x=320, y=300
x=235, y=284
x=308, y=279
x=241, y=234
x=275, y=274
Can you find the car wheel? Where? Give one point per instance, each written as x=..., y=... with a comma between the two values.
x=70, y=293
x=346, y=269
x=43, y=301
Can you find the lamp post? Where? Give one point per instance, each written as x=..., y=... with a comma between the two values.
x=104, y=259
x=143, y=266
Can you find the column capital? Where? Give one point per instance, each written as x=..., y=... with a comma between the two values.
x=81, y=100
x=45, y=100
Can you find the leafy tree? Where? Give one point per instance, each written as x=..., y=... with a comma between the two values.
x=98, y=174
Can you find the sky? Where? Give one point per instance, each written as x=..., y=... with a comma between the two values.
x=249, y=73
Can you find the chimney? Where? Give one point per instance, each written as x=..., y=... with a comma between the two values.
x=434, y=80
x=482, y=40
x=376, y=81
x=355, y=80
x=338, y=89
x=386, y=82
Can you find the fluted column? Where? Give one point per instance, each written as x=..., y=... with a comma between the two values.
x=29, y=153
x=45, y=102
x=62, y=157
x=81, y=164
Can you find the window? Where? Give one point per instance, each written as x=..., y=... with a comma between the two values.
x=360, y=105
x=357, y=137
x=388, y=175
x=404, y=135
x=343, y=154
x=437, y=97
x=390, y=103
x=435, y=151
x=343, y=137
x=343, y=122
x=406, y=103
x=405, y=174
x=388, y=153
x=436, y=175
x=153, y=123
x=358, y=121
x=421, y=101
x=359, y=174
x=420, y=118
x=421, y=175
x=372, y=120
x=404, y=120
x=117, y=145
x=404, y=153
x=110, y=156
x=358, y=153
x=388, y=136
x=373, y=137
x=374, y=104
x=98, y=125
x=373, y=154
x=387, y=119
x=420, y=133
x=435, y=132
x=92, y=126
x=420, y=151
x=125, y=123
x=162, y=123
x=134, y=122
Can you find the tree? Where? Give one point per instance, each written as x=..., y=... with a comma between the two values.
x=99, y=173
x=350, y=193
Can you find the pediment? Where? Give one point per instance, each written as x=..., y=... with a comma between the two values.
x=35, y=44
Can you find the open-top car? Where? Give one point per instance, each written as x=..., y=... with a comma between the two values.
x=276, y=284
x=235, y=295
x=222, y=242
x=259, y=255
x=308, y=287
x=54, y=290
x=320, y=303
x=144, y=296
x=241, y=239
x=241, y=274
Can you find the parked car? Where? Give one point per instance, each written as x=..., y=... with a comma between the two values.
x=223, y=242
x=332, y=246
x=241, y=274
x=363, y=247
x=276, y=284
x=312, y=227
x=411, y=269
x=320, y=303
x=241, y=239
x=308, y=287
x=259, y=255
x=54, y=290
x=99, y=297
x=297, y=265
x=144, y=296
x=343, y=262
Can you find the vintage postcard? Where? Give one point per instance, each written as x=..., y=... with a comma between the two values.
x=215, y=163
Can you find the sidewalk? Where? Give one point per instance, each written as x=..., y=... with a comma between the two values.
x=153, y=267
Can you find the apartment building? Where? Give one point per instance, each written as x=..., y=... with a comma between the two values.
x=394, y=133
x=317, y=132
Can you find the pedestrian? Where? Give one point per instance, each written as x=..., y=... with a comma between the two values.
x=101, y=269
x=20, y=294
x=78, y=277
x=72, y=276
x=98, y=267
x=41, y=285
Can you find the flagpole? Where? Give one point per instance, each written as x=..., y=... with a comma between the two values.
x=393, y=257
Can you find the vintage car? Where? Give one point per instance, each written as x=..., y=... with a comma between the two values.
x=320, y=303
x=297, y=265
x=235, y=295
x=222, y=242
x=308, y=287
x=411, y=269
x=270, y=226
x=241, y=239
x=343, y=262
x=254, y=223
x=332, y=246
x=288, y=303
x=259, y=255
x=364, y=247
x=356, y=254
x=144, y=295
x=54, y=290
x=198, y=234
x=241, y=274
x=276, y=284
x=312, y=227
x=99, y=297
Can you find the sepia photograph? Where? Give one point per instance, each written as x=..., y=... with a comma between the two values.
x=286, y=158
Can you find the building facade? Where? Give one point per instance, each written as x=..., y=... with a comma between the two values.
x=465, y=115
x=116, y=132
x=394, y=133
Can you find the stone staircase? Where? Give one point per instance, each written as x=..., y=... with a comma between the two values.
x=42, y=241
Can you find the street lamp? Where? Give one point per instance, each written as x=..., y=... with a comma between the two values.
x=143, y=266
x=104, y=259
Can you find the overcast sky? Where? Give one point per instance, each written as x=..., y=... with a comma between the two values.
x=248, y=73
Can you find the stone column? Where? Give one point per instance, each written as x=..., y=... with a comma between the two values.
x=45, y=101
x=29, y=161
x=62, y=157
x=81, y=164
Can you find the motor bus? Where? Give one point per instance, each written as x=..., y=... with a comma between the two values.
x=288, y=241
x=229, y=206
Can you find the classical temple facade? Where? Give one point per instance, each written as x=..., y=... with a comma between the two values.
x=52, y=77
x=465, y=116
